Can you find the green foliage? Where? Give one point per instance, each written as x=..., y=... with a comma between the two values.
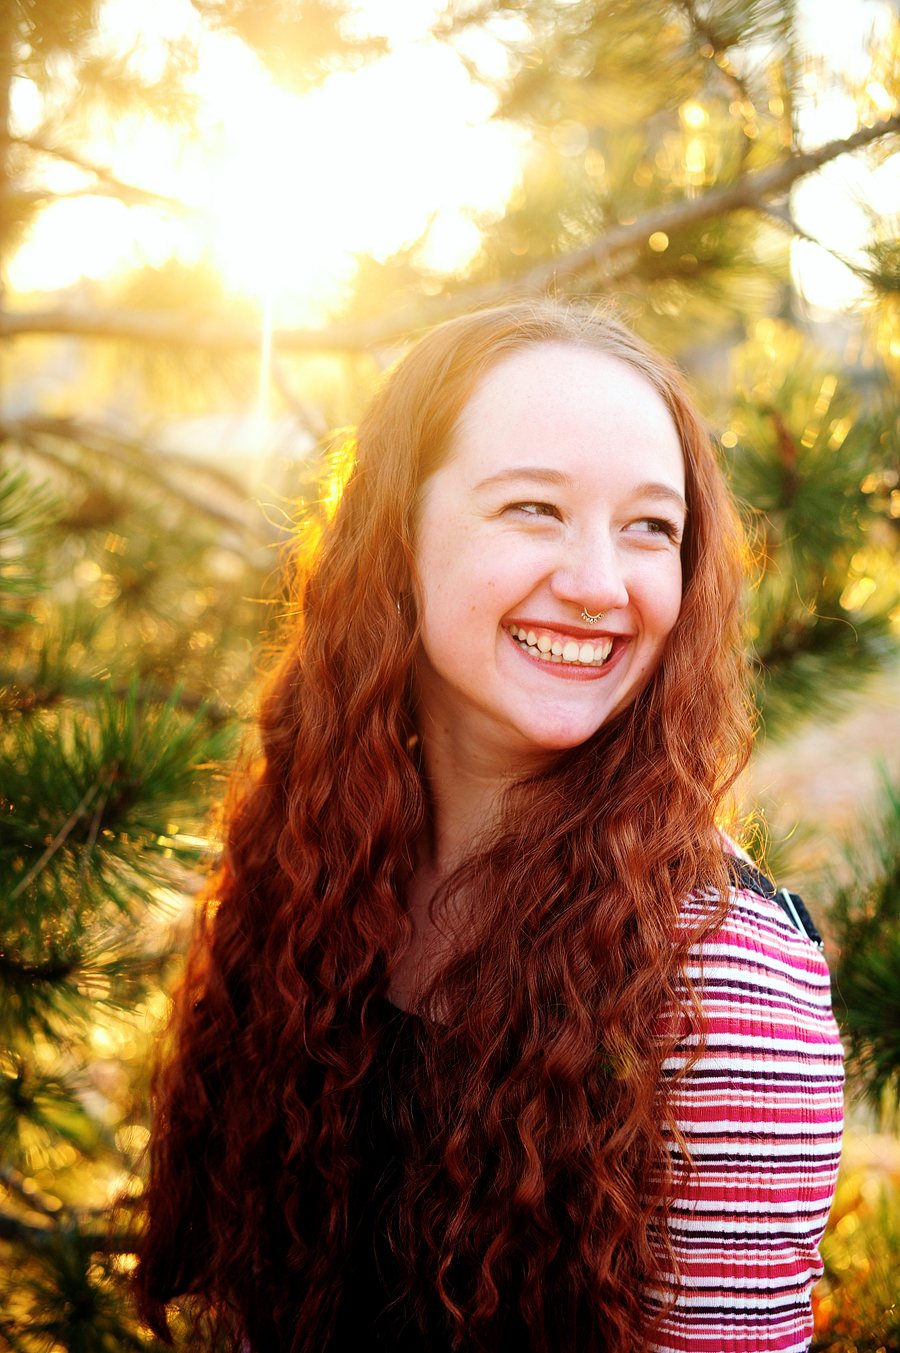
x=106, y=764
x=856, y=1305
x=22, y=513
x=71, y=1298
x=84, y=82
x=143, y=577
x=865, y=922
x=626, y=117
x=884, y=255
x=799, y=451
x=60, y=48
x=40, y=1109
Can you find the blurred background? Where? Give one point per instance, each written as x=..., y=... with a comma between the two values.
x=220, y=222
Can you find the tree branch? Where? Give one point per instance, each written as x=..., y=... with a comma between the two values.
x=783, y=215
x=13, y=1228
x=111, y=186
x=705, y=30
x=39, y=1237
x=55, y=844
x=144, y=459
x=749, y=193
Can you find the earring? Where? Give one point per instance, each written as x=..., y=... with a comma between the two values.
x=586, y=615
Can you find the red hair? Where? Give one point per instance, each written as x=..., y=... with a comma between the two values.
x=544, y=1171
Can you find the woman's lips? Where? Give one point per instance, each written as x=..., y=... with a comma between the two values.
x=568, y=652
x=563, y=631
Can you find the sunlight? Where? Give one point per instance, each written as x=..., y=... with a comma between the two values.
x=301, y=185
x=286, y=190
x=93, y=234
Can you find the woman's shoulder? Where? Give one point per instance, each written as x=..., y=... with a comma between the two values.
x=764, y=960
x=758, y=1109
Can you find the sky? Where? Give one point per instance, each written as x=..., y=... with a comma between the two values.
x=831, y=205
x=287, y=189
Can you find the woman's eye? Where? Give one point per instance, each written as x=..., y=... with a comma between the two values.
x=533, y=509
x=658, y=526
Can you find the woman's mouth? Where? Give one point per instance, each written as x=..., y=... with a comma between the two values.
x=549, y=647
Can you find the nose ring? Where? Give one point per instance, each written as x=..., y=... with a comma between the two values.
x=586, y=615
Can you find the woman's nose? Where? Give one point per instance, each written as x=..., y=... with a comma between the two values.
x=591, y=577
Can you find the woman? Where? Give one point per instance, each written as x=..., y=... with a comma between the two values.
x=486, y=1042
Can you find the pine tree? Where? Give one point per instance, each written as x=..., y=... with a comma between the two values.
x=865, y=922
x=125, y=651
x=103, y=782
x=857, y=1305
x=664, y=142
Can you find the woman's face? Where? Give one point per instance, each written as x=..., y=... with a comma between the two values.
x=564, y=491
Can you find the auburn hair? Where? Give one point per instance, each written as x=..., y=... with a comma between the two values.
x=544, y=1170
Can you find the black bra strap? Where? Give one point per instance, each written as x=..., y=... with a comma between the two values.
x=748, y=876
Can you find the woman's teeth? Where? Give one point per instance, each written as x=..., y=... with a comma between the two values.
x=554, y=650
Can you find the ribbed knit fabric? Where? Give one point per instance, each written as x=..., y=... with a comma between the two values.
x=761, y=1112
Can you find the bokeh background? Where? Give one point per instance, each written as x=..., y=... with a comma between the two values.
x=220, y=222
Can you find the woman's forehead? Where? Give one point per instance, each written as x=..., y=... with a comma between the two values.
x=561, y=403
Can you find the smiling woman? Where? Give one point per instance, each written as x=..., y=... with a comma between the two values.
x=590, y=449
x=489, y=1040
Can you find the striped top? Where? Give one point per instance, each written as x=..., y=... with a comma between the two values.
x=761, y=1113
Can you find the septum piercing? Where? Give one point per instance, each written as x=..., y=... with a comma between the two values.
x=591, y=619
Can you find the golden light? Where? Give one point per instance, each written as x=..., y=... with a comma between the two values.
x=879, y=96
x=695, y=156
x=284, y=190
x=693, y=115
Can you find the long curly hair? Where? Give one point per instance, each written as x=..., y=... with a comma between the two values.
x=542, y=1175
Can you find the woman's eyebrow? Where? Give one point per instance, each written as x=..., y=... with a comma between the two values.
x=661, y=492
x=538, y=474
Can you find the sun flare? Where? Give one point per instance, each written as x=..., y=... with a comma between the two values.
x=282, y=191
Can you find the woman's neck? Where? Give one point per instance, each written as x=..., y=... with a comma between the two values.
x=465, y=810
x=466, y=799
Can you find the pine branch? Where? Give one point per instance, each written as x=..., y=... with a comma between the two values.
x=137, y=456
x=864, y=920
x=718, y=51
x=39, y=1237
x=752, y=192
x=53, y=971
x=705, y=31
x=782, y=214
x=108, y=185
x=55, y=844
x=151, y=693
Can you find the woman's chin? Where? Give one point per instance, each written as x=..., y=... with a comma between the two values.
x=549, y=738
